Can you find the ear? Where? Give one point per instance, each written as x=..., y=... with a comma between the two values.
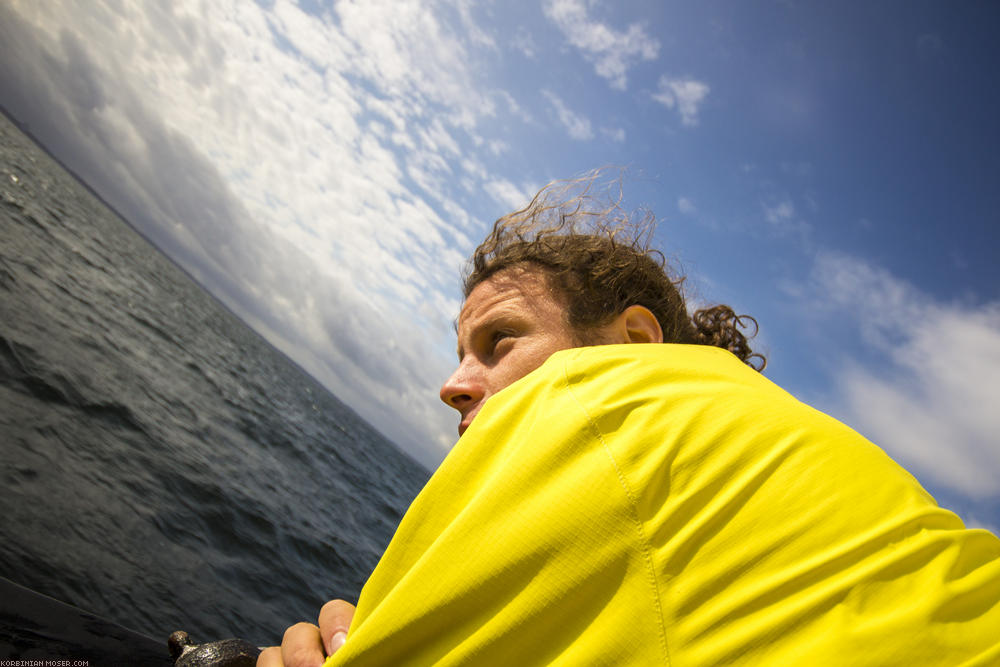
x=637, y=324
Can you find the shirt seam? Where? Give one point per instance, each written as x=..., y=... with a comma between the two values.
x=645, y=547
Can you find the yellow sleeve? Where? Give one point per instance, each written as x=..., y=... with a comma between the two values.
x=665, y=504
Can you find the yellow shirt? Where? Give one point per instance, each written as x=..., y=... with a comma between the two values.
x=668, y=505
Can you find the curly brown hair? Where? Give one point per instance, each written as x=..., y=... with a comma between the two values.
x=598, y=260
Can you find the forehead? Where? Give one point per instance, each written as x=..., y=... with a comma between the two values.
x=516, y=291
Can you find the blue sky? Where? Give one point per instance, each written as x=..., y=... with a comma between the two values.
x=325, y=167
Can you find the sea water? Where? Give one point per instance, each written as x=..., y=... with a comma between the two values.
x=162, y=465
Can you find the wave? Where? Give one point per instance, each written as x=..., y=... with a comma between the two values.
x=22, y=370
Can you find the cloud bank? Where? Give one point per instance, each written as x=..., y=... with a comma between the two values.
x=685, y=95
x=612, y=52
x=934, y=407
x=577, y=126
x=302, y=165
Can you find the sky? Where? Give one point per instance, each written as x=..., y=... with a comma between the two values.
x=324, y=168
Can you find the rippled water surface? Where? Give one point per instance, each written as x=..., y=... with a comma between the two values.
x=162, y=465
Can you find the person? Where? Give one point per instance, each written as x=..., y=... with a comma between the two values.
x=616, y=500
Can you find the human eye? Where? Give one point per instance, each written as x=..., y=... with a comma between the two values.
x=498, y=337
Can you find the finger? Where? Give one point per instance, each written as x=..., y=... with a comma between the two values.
x=270, y=657
x=334, y=621
x=302, y=647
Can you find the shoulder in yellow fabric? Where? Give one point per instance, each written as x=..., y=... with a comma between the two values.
x=667, y=505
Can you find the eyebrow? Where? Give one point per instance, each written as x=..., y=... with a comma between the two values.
x=497, y=319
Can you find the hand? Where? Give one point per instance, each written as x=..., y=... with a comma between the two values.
x=307, y=645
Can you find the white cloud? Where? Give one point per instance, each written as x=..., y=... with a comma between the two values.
x=611, y=51
x=934, y=409
x=513, y=107
x=686, y=95
x=780, y=213
x=784, y=219
x=685, y=205
x=509, y=195
x=578, y=126
x=616, y=134
x=300, y=164
x=498, y=146
x=524, y=42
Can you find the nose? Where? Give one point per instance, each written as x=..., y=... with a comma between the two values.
x=464, y=389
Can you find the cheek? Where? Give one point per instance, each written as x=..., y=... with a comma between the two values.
x=525, y=358
x=513, y=372
x=536, y=356
x=513, y=367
